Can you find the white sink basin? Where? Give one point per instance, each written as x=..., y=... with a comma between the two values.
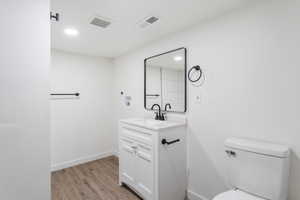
x=152, y=124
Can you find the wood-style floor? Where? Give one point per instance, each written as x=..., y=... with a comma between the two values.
x=97, y=180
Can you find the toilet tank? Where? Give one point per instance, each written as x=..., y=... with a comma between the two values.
x=258, y=168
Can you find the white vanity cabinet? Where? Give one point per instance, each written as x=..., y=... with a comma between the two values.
x=153, y=170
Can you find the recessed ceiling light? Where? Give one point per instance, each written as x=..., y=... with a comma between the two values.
x=177, y=58
x=71, y=32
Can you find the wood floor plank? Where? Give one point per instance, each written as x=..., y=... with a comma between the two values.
x=97, y=180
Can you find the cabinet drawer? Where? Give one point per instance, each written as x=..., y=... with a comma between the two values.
x=145, y=156
x=134, y=146
x=126, y=141
x=128, y=149
x=144, y=148
x=139, y=135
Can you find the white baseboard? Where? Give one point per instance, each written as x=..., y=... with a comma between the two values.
x=79, y=161
x=194, y=196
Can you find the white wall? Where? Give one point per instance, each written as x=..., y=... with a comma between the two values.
x=24, y=87
x=81, y=128
x=251, y=63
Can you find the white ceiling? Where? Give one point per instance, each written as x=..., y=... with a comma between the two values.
x=124, y=34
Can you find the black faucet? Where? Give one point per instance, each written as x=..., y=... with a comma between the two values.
x=163, y=114
x=158, y=115
x=168, y=105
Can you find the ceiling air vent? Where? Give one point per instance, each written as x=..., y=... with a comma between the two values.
x=151, y=20
x=100, y=22
x=148, y=21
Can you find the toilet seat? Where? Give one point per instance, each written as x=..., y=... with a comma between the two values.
x=236, y=195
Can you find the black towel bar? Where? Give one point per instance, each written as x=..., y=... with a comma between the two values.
x=152, y=95
x=65, y=94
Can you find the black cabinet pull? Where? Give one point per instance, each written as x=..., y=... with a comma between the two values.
x=165, y=142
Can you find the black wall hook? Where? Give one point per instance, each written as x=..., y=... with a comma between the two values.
x=54, y=17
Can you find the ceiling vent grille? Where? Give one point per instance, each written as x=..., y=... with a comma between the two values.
x=100, y=22
x=148, y=21
x=151, y=20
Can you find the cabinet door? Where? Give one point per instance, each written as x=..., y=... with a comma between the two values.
x=172, y=169
x=145, y=172
x=127, y=160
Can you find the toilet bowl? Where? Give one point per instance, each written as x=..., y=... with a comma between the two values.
x=256, y=170
x=236, y=195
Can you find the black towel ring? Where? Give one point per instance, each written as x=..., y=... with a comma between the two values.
x=193, y=69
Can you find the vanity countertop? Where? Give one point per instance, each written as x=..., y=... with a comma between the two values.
x=153, y=124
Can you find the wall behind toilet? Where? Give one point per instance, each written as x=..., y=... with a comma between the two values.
x=251, y=63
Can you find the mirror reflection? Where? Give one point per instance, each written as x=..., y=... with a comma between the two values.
x=165, y=82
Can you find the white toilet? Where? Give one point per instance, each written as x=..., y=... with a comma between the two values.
x=256, y=170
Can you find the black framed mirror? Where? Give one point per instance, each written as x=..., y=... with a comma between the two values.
x=165, y=81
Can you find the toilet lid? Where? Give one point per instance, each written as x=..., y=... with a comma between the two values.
x=236, y=195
